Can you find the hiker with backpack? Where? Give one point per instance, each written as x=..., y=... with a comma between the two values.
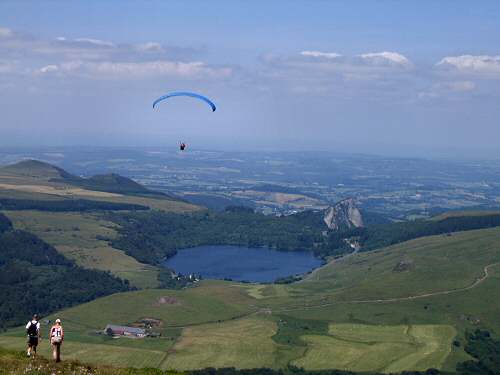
x=56, y=337
x=33, y=332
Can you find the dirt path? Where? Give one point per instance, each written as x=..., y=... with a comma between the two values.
x=400, y=299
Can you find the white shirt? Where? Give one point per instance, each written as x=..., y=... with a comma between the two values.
x=34, y=322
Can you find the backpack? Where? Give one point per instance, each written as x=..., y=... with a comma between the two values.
x=56, y=335
x=32, y=331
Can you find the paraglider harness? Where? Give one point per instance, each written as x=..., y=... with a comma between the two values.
x=182, y=146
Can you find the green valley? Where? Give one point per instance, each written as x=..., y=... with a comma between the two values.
x=404, y=307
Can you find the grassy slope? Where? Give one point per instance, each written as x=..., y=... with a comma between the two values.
x=446, y=215
x=359, y=347
x=15, y=363
x=202, y=308
x=243, y=343
x=434, y=264
x=74, y=235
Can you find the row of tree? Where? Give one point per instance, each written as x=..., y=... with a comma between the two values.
x=378, y=236
x=66, y=205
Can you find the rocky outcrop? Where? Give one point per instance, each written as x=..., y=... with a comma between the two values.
x=344, y=215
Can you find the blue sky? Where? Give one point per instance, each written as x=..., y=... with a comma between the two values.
x=391, y=77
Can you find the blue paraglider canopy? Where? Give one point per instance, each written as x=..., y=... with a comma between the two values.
x=190, y=94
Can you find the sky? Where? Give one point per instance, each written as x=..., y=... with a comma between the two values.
x=411, y=78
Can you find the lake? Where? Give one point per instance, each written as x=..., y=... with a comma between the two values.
x=241, y=263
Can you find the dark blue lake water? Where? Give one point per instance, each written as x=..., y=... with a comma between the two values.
x=241, y=263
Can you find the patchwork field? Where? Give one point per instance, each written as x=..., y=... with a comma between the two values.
x=359, y=347
x=244, y=343
x=319, y=323
x=212, y=324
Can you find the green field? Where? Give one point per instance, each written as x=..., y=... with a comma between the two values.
x=213, y=307
x=359, y=347
x=243, y=343
x=417, y=267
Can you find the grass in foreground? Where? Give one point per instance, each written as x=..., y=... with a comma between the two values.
x=16, y=363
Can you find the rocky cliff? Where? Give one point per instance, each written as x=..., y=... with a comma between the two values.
x=344, y=215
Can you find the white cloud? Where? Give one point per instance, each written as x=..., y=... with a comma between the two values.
x=48, y=69
x=95, y=42
x=5, y=32
x=144, y=69
x=386, y=57
x=90, y=58
x=149, y=46
x=475, y=64
x=326, y=55
x=462, y=86
x=442, y=89
x=334, y=70
x=132, y=70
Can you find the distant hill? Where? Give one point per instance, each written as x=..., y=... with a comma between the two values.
x=36, y=169
x=112, y=183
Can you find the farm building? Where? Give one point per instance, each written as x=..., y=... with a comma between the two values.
x=113, y=330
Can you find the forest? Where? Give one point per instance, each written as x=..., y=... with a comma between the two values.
x=35, y=278
x=153, y=236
